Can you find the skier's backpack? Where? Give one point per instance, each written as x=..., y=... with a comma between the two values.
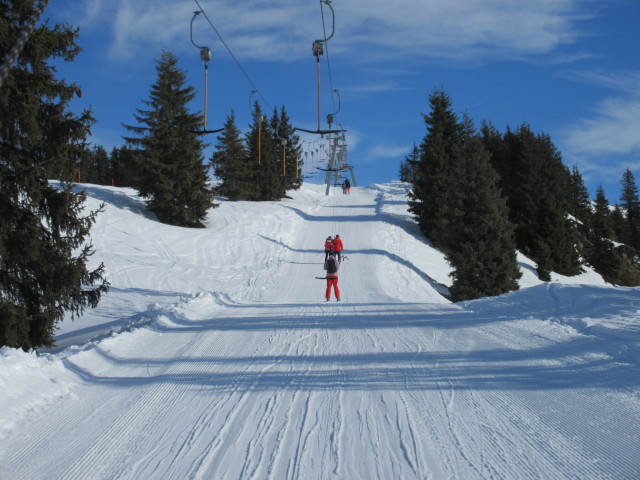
x=332, y=265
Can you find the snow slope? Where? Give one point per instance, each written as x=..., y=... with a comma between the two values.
x=215, y=356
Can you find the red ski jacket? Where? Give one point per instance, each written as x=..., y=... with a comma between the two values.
x=337, y=244
x=328, y=245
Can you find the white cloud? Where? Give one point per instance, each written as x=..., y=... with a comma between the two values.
x=283, y=30
x=614, y=126
x=142, y=25
x=385, y=152
x=375, y=88
x=607, y=141
x=463, y=28
x=627, y=82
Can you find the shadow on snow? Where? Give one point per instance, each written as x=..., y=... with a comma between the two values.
x=576, y=363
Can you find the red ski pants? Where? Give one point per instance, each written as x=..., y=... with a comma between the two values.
x=332, y=281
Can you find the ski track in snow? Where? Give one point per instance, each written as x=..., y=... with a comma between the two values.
x=231, y=365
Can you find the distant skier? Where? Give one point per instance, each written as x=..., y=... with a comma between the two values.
x=331, y=265
x=346, y=186
x=337, y=247
x=328, y=247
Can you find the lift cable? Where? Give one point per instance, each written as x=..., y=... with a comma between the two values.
x=317, y=49
x=205, y=56
x=233, y=56
x=324, y=30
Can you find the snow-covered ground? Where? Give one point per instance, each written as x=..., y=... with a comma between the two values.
x=215, y=356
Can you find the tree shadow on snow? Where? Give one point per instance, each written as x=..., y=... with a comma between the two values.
x=494, y=369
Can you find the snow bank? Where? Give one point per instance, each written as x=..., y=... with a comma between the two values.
x=609, y=314
x=29, y=382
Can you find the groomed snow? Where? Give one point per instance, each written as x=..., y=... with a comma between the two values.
x=215, y=356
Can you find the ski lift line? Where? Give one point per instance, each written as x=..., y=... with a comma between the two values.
x=205, y=56
x=333, y=24
x=317, y=49
x=324, y=31
x=244, y=72
x=205, y=52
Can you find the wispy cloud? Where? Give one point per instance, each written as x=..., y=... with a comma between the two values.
x=626, y=82
x=283, y=30
x=464, y=28
x=608, y=140
x=615, y=121
x=613, y=128
x=375, y=88
x=140, y=26
x=385, y=152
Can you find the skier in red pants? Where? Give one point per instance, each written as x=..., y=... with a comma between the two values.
x=331, y=266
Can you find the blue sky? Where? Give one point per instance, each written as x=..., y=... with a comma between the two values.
x=568, y=68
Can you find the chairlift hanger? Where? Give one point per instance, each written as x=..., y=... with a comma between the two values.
x=205, y=52
x=331, y=116
x=205, y=56
x=317, y=49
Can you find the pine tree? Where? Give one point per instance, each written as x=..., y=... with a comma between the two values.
x=232, y=164
x=403, y=170
x=538, y=200
x=601, y=222
x=617, y=265
x=579, y=203
x=103, y=165
x=85, y=168
x=288, y=150
x=127, y=169
x=95, y=167
x=631, y=204
x=409, y=166
x=619, y=225
x=43, y=254
x=599, y=251
x=432, y=190
x=457, y=202
x=263, y=152
x=497, y=146
x=480, y=241
x=174, y=178
x=273, y=182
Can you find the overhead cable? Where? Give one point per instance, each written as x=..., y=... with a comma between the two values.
x=233, y=56
x=326, y=45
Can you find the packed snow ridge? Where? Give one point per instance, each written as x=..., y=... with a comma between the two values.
x=215, y=356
